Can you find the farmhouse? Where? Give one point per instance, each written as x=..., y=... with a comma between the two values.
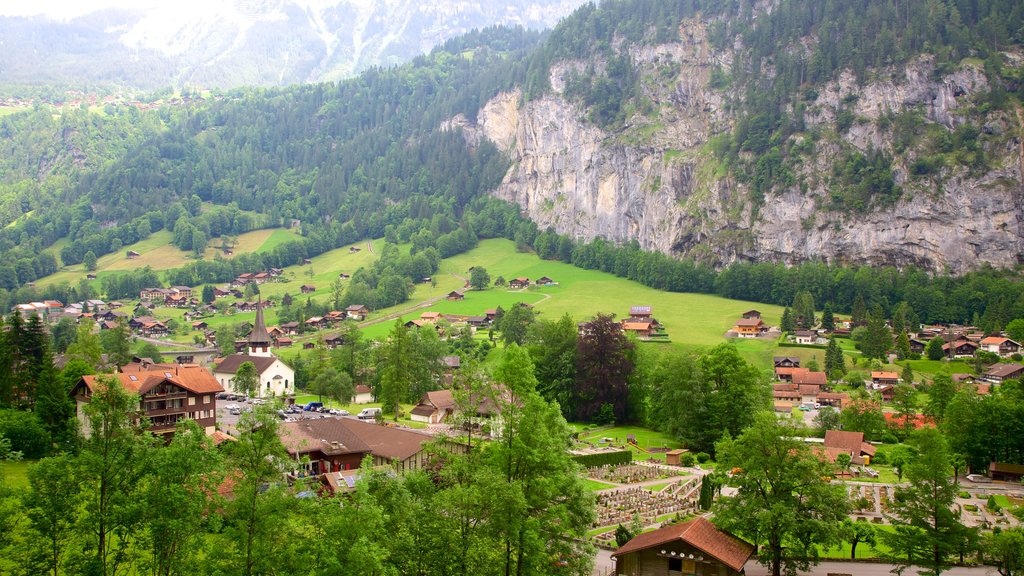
x=1000, y=372
x=960, y=349
x=752, y=314
x=434, y=407
x=356, y=312
x=692, y=547
x=518, y=283
x=879, y=379
x=642, y=328
x=786, y=361
x=999, y=345
x=167, y=393
x=750, y=327
x=456, y=295
x=307, y=288
x=544, y=281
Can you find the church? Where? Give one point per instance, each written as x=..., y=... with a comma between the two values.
x=276, y=379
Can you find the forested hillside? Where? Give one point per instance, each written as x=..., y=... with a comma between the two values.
x=770, y=150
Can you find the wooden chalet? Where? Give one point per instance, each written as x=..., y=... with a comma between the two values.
x=879, y=379
x=786, y=361
x=356, y=312
x=544, y=281
x=999, y=345
x=456, y=295
x=518, y=283
x=752, y=314
x=960, y=349
x=167, y=393
x=132, y=255
x=1000, y=372
x=434, y=407
x=642, y=328
x=750, y=327
x=307, y=288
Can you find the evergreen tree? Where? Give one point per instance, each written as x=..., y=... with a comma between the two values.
x=396, y=368
x=788, y=325
x=209, y=296
x=940, y=395
x=55, y=408
x=907, y=374
x=902, y=346
x=927, y=532
x=877, y=339
x=828, y=321
x=835, y=362
x=934, y=349
x=859, y=312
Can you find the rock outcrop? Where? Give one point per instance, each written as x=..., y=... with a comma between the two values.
x=657, y=182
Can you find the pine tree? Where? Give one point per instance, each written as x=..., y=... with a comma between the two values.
x=907, y=375
x=859, y=313
x=878, y=339
x=828, y=321
x=934, y=349
x=902, y=346
x=787, y=321
x=835, y=363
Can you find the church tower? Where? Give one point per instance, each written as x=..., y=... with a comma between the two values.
x=259, y=339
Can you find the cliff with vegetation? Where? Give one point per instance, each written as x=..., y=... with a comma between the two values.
x=916, y=161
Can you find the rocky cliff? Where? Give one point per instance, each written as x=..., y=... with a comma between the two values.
x=657, y=181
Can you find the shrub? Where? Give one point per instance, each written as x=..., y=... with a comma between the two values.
x=687, y=459
x=25, y=432
x=703, y=457
x=604, y=458
x=890, y=438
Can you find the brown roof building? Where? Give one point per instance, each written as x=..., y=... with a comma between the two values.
x=167, y=394
x=692, y=547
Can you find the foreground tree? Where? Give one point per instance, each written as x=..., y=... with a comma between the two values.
x=1005, y=549
x=783, y=504
x=926, y=531
x=247, y=380
x=552, y=346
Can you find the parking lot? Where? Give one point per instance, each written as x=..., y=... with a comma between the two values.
x=230, y=410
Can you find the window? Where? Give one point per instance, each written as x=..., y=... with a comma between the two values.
x=675, y=565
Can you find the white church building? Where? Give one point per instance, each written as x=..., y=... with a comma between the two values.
x=276, y=379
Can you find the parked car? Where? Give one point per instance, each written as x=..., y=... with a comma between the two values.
x=369, y=413
x=314, y=406
x=338, y=412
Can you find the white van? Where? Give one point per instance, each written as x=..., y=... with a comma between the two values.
x=369, y=414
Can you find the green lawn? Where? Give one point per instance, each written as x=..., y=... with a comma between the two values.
x=16, y=473
x=657, y=487
x=879, y=550
x=645, y=438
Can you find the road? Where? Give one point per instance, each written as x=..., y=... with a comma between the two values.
x=603, y=566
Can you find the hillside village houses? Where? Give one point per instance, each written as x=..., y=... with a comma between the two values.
x=276, y=379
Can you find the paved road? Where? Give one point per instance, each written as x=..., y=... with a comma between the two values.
x=866, y=569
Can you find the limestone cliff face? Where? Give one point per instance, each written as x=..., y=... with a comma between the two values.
x=657, y=182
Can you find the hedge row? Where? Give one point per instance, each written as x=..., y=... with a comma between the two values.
x=604, y=458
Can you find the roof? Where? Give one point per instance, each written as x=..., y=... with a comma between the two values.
x=995, y=340
x=195, y=379
x=851, y=442
x=699, y=533
x=440, y=399
x=819, y=378
x=752, y=322
x=327, y=435
x=1006, y=468
x=809, y=389
x=363, y=389
x=781, y=359
x=786, y=371
x=219, y=437
x=885, y=376
x=636, y=325
x=637, y=310
x=383, y=441
x=1004, y=370
x=231, y=363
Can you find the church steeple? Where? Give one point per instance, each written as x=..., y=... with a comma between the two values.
x=259, y=339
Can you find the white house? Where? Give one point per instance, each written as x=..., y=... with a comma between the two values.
x=276, y=378
x=363, y=395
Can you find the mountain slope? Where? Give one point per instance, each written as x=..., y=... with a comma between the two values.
x=914, y=163
x=247, y=42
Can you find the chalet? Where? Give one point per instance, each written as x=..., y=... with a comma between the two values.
x=416, y=323
x=1000, y=372
x=456, y=295
x=290, y=328
x=166, y=394
x=1003, y=472
x=917, y=346
x=750, y=327
x=332, y=341
x=544, y=281
x=999, y=345
x=356, y=312
x=200, y=325
x=153, y=328
x=307, y=288
x=786, y=361
x=752, y=314
x=90, y=276
x=960, y=349
x=477, y=321
x=518, y=283
x=235, y=292
x=879, y=379
x=962, y=378
x=809, y=393
x=132, y=255
x=852, y=443
x=283, y=342
x=642, y=329
x=810, y=378
x=306, y=261
x=807, y=337
x=308, y=345
x=786, y=374
x=333, y=444
x=176, y=301
x=316, y=323
x=640, y=311
x=261, y=277
x=275, y=272
x=364, y=395
x=887, y=392
x=434, y=407
x=692, y=547
x=834, y=399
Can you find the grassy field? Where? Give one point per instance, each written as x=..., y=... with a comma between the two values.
x=645, y=439
x=16, y=473
x=158, y=253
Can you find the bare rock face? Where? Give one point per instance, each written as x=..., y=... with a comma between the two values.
x=658, y=183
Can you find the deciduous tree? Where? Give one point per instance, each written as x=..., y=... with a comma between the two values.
x=603, y=364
